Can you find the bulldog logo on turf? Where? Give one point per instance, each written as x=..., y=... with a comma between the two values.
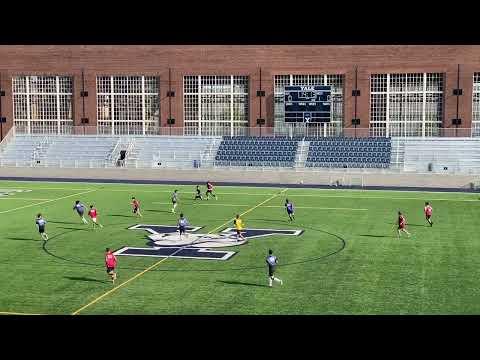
x=165, y=241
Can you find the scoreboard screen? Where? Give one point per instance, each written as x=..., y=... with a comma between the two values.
x=308, y=103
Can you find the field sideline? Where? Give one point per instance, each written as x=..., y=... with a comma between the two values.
x=348, y=259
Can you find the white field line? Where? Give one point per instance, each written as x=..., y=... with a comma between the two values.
x=15, y=313
x=47, y=201
x=295, y=195
x=19, y=198
x=272, y=206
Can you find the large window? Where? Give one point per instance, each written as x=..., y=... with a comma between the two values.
x=335, y=126
x=476, y=105
x=215, y=105
x=42, y=104
x=128, y=104
x=406, y=104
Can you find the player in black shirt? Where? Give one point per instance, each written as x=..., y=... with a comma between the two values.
x=199, y=194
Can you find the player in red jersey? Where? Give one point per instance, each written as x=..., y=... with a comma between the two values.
x=402, y=224
x=210, y=191
x=428, y=213
x=93, y=215
x=136, y=206
x=111, y=264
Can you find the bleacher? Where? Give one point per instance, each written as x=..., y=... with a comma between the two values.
x=79, y=151
x=61, y=151
x=177, y=151
x=256, y=151
x=442, y=155
x=346, y=152
x=21, y=150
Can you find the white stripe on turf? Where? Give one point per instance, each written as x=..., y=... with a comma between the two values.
x=269, y=206
x=20, y=198
x=47, y=201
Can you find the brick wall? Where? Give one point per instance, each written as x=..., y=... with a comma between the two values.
x=241, y=60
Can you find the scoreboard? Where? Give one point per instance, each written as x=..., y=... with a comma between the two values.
x=308, y=103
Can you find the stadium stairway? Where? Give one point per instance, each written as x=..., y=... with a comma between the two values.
x=302, y=153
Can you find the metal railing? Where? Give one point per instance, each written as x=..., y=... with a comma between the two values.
x=284, y=130
x=6, y=140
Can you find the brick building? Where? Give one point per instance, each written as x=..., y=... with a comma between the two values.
x=213, y=90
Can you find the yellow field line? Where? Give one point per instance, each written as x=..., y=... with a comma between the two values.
x=76, y=312
x=15, y=313
x=45, y=202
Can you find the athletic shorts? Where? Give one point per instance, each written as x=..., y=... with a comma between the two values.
x=181, y=229
x=289, y=212
x=41, y=230
x=209, y=191
x=110, y=270
x=271, y=271
x=94, y=219
x=135, y=210
x=80, y=213
x=428, y=216
x=401, y=227
x=174, y=202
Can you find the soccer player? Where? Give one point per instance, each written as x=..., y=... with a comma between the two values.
x=41, y=222
x=402, y=224
x=199, y=194
x=238, y=223
x=93, y=215
x=210, y=191
x=272, y=264
x=111, y=264
x=290, y=210
x=136, y=206
x=80, y=208
x=428, y=213
x=182, y=226
x=174, y=200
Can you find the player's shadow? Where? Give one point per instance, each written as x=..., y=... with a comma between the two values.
x=119, y=215
x=410, y=224
x=240, y=283
x=70, y=228
x=378, y=236
x=275, y=221
x=63, y=222
x=74, y=278
x=22, y=239
x=159, y=211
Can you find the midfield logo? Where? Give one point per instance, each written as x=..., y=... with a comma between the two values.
x=164, y=241
x=7, y=192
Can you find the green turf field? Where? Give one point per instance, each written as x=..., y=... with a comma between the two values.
x=347, y=261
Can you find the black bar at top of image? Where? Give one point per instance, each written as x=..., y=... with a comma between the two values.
x=280, y=23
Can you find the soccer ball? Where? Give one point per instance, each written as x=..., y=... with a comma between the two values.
x=301, y=182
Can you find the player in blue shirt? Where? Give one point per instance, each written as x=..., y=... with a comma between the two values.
x=290, y=210
x=182, y=226
x=41, y=222
x=272, y=262
x=80, y=209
